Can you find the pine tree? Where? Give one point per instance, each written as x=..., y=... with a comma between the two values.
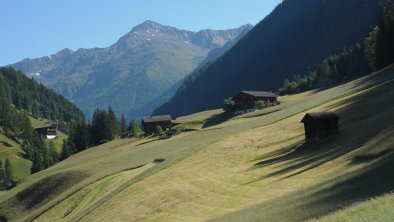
x=28, y=149
x=53, y=156
x=79, y=135
x=2, y=176
x=39, y=153
x=8, y=178
x=112, y=125
x=324, y=72
x=385, y=43
x=370, y=50
x=99, y=127
x=27, y=128
x=135, y=129
x=67, y=149
x=123, y=127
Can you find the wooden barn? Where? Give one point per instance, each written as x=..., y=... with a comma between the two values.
x=320, y=124
x=245, y=100
x=48, y=130
x=150, y=122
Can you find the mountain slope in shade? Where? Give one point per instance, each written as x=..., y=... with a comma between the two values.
x=293, y=39
x=131, y=73
x=212, y=56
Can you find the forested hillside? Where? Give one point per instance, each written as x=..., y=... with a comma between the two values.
x=294, y=38
x=23, y=150
x=374, y=53
x=27, y=94
x=16, y=126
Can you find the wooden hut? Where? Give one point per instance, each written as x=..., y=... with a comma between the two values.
x=150, y=122
x=48, y=130
x=320, y=124
x=245, y=100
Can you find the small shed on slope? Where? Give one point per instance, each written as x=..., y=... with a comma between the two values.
x=320, y=124
x=48, y=130
x=150, y=122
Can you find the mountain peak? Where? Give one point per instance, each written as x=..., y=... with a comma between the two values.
x=148, y=24
x=65, y=51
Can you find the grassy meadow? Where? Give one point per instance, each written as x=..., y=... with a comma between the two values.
x=253, y=167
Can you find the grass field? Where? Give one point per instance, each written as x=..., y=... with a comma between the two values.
x=11, y=150
x=253, y=167
x=380, y=208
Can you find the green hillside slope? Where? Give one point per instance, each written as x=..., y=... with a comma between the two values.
x=253, y=167
x=24, y=104
x=293, y=39
x=12, y=150
x=27, y=94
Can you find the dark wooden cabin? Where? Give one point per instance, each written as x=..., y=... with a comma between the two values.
x=150, y=122
x=320, y=124
x=245, y=100
x=48, y=130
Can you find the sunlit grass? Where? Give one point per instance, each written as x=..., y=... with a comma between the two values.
x=248, y=168
x=379, y=209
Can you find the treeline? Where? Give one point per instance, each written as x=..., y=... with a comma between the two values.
x=349, y=64
x=379, y=43
x=15, y=124
x=27, y=94
x=376, y=52
x=104, y=127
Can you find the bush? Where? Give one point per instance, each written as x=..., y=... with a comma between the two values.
x=260, y=104
x=159, y=131
x=228, y=104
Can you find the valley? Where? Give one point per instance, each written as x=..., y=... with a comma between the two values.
x=288, y=119
x=247, y=168
x=133, y=75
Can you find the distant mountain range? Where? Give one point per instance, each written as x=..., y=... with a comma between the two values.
x=293, y=39
x=135, y=74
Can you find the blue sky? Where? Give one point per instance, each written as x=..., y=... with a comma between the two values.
x=31, y=29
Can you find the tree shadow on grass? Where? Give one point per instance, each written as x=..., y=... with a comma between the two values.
x=41, y=192
x=146, y=142
x=301, y=157
x=324, y=198
x=363, y=117
x=279, y=152
x=372, y=181
x=358, y=125
x=5, y=144
x=217, y=119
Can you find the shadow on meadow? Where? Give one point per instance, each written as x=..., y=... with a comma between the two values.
x=324, y=198
x=217, y=119
x=5, y=144
x=41, y=192
x=363, y=117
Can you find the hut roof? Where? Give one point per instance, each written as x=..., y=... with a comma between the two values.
x=320, y=115
x=45, y=126
x=153, y=119
x=260, y=94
